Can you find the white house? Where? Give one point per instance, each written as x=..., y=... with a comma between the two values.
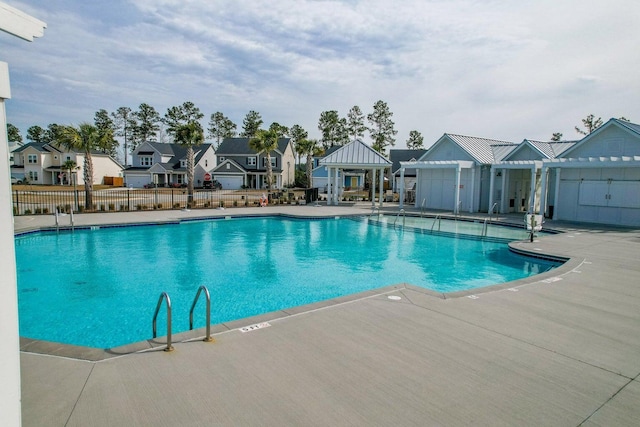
x=41, y=163
x=166, y=165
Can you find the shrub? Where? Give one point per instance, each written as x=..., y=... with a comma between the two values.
x=112, y=207
x=27, y=211
x=102, y=208
x=207, y=204
x=222, y=203
x=38, y=211
x=124, y=207
x=235, y=203
x=176, y=206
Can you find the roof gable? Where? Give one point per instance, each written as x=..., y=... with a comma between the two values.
x=614, y=138
x=481, y=150
x=355, y=154
x=241, y=147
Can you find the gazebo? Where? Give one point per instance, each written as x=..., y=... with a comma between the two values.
x=354, y=155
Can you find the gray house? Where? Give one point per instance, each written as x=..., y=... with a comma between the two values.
x=165, y=165
x=240, y=166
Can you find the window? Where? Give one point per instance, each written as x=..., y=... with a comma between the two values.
x=251, y=161
x=221, y=158
x=146, y=161
x=32, y=158
x=33, y=176
x=68, y=157
x=183, y=163
x=273, y=162
x=206, y=163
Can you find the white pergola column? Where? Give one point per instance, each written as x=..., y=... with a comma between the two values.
x=381, y=188
x=472, y=189
x=532, y=192
x=336, y=194
x=401, y=188
x=556, y=195
x=491, y=185
x=329, y=185
x=19, y=24
x=456, y=208
x=543, y=190
x=505, y=179
x=373, y=188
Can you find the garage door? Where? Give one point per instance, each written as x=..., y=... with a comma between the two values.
x=229, y=182
x=137, y=181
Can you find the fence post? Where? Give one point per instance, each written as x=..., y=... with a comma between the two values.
x=128, y=198
x=17, y=202
x=172, y=198
x=75, y=196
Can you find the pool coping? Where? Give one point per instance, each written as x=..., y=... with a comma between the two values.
x=94, y=354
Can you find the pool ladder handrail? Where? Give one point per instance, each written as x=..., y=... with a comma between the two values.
x=487, y=221
x=164, y=296
x=208, y=337
x=373, y=210
x=437, y=218
x=57, y=214
x=424, y=201
x=404, y=217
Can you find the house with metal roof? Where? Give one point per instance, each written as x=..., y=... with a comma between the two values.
x=354, y=155
x=519, y=175
x=42, y=163
x=165, y=165
x=454, y=173
x=238, y=165
x=597, y=179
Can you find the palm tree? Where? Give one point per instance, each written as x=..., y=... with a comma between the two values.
x=70, y=166
x=311, y=148
x=86, y=138
x=265, y=142
x=189, y=135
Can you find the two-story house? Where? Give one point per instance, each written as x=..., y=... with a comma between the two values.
x=40, y=163
x=165, y=165
x=240, y=166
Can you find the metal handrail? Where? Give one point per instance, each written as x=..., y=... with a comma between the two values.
x=491, y=210
x=373, y=209
x=437, y=218
x=207, y=338
x=485, y=227
x=164, y=295
x=57, y=223
x=404, y=217
x=424, y=201
x=73, y=226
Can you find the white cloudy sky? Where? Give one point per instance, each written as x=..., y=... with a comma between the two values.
x=503, y=69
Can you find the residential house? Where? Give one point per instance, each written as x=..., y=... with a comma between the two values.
x=404, y=155
x=42, y=163
x=239, y=166
x=165, y=165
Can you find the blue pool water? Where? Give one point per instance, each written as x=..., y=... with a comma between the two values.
x=99, y=288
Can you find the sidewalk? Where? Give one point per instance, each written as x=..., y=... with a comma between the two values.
x=562, y=350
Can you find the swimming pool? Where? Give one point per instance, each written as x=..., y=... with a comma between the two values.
x=99, y=287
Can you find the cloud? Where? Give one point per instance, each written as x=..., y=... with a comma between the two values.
x=509, y=70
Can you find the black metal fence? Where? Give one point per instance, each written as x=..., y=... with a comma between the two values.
x=36, y=202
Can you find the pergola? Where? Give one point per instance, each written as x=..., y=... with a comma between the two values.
x=354, y=155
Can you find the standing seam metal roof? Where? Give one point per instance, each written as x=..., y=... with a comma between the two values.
x=486, y=151
x=355, y=153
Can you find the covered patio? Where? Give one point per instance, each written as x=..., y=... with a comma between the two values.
x=355, y=155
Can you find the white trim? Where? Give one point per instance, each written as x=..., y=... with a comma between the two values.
x=20, y=24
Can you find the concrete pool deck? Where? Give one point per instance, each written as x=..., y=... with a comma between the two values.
x=563, y=349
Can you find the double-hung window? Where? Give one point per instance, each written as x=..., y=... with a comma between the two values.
x=251, y=161
x=32, y=158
